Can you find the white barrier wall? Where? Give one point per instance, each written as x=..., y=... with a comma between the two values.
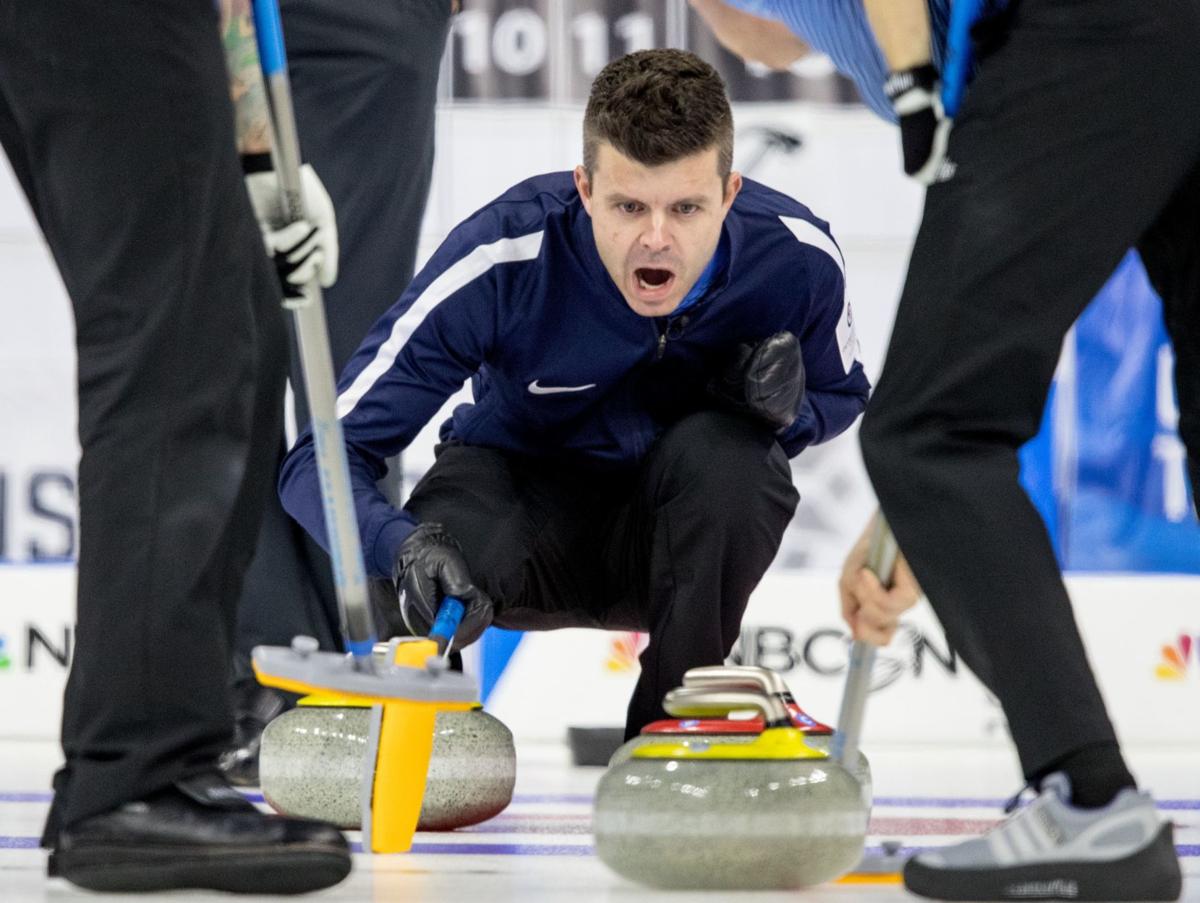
x=38, y=448
x=1143, y=634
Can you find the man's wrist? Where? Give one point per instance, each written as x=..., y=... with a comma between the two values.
x=898, y=83
x=385, y=545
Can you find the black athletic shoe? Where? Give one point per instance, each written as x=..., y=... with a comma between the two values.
x=200, y=833
x=1051, y=850
x=255, y=706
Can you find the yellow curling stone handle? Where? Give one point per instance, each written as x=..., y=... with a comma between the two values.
x=401, y=764
x=331, y=700
x=401, y=771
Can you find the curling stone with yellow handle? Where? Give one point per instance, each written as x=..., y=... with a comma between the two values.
x=405, y=691
x=772, y=813
x=311, y=766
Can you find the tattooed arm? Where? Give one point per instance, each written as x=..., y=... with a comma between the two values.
x=245, y=77
x=305, y=249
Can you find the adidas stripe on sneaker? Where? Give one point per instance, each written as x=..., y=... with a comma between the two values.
x=1051, y=850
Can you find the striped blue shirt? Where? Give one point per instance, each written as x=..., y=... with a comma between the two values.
x=840, y=29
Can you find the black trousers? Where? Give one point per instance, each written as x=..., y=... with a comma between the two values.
x=1079, y=139
x=117, y=120
x=674, y=547
x=364, y=82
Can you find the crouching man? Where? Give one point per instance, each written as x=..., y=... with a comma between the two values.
x=649, y=339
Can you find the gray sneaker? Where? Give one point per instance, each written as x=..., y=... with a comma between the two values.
x=1050, y=850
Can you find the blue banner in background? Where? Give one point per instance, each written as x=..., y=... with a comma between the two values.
x=1109, y=472
x=1037, y=458
x=496, y=649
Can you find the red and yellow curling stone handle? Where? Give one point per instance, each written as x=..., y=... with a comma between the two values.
x=773, y=744
x=779, y=740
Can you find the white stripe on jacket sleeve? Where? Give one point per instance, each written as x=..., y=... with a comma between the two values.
x=457, y=275
x=809, y=234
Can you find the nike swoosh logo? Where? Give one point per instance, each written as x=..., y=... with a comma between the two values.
x=535, y=389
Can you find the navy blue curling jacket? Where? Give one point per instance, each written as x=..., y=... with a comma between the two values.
x=518, y=301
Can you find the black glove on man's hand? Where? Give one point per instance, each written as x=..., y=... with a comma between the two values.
x=430, y=566
x=916, y=96
x=765, y=380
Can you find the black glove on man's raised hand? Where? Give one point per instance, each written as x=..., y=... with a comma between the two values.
x=916, y=96
x=764, y=380
x=430, y=566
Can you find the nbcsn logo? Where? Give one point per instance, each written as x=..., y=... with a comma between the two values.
x=1176, y=657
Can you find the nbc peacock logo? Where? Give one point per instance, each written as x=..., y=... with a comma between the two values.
x=1176, y=657
x=5, y=661
x=624, y=650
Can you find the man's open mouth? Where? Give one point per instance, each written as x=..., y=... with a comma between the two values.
x=651, y=279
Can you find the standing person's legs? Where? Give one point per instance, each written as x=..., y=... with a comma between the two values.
x=12, y=142
x=364, y=78
x=1170, y=250
x=139, y=194
x=288, y=590
x=708, y=510
x=262, y=463
x=1064, y=158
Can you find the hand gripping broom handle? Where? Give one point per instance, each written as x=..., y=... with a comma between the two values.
x=881, y=559
x=316, y=361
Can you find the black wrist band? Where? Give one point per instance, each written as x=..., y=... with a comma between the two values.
x=256, y=163
x=924, y=76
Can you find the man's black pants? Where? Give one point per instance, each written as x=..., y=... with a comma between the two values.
x=364, y=81
x=1079, y=139
x=673, y=547
x=117, y=120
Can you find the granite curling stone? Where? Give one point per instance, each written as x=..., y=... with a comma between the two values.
x=769, y=814
x=725, y=729
x=311, y=765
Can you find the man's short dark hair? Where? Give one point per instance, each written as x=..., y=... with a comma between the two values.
x=658, y=106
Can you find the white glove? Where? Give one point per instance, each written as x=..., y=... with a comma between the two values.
x=305, y=248
x=299, y=257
